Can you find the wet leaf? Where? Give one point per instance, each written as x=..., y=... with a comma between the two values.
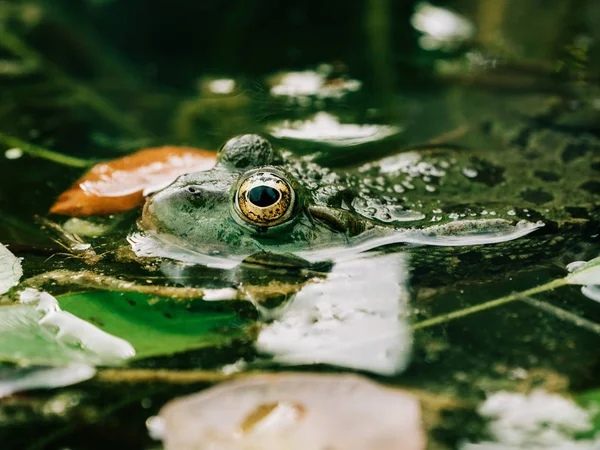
x=355, y=318
x=155, y=326
x=120, y=184
x=108, y=328
x=16, y=379
x=590, y=400
x=585, y=273
x=294, y=411
x=537, y=421
x=10, y=270
x=39, y=332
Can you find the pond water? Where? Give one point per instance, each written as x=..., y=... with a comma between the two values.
x=414, y=237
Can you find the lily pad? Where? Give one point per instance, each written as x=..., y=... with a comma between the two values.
x=10, y=270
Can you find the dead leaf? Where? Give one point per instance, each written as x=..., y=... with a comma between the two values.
x=120, y=185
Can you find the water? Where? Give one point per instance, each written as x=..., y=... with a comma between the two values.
x=426, y=103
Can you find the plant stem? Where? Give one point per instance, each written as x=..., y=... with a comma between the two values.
x=488, y=305
x=44, y=153
x=561, y=314
x=80, y=90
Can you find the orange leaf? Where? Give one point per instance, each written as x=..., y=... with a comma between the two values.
x=120, y=184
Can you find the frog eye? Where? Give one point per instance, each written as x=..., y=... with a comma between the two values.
x=264, y=199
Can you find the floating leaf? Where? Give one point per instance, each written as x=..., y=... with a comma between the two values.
x=120, y=184
x=155, y=326
x=294, y=411
x=10, y=270
x=16, y=379
x=584, y=272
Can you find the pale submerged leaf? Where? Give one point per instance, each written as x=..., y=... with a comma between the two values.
x=10, y=270
x=293, y=411
x=16, y=379
x=356, y=318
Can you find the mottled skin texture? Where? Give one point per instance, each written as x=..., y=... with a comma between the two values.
x=524, y=164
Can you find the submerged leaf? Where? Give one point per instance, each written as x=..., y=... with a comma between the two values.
x=538, y=421
x=355, y=318
x=155, y=326
x=108, y=328
x=39, y=332
x=120, y=184
x=294, y=411
x=10, y=270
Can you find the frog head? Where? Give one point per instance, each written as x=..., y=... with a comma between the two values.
x=248, y=202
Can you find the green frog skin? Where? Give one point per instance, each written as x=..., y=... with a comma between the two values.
x=528, y=202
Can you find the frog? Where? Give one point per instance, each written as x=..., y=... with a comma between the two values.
x=478, y=208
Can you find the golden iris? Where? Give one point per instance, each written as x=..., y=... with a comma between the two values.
x=264, y=199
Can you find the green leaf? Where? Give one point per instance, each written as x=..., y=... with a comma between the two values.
x=10, y=270
x=590, y=400
x=156, y=326
x=40, y=333
x=105, y=327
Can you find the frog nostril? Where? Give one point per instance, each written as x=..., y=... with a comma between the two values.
x=193, y=190
x=264, y=196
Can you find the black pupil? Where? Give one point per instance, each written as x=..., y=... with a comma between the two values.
x=263, y=196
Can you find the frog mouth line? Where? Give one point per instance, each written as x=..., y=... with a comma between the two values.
x=338, y=220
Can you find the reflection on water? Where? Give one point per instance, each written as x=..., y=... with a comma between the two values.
x=326, y=129
x=355, y=318
x=319, y=84
x=150, y=244
x=442, y=28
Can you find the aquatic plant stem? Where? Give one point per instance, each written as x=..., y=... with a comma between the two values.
x=44, y=153
x=563, y=315
x=79, y=89
x=488, y=305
